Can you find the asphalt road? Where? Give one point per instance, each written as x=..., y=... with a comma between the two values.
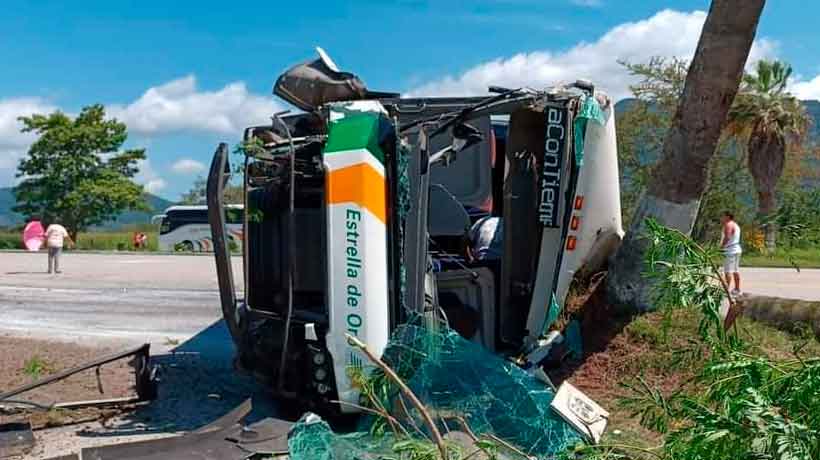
x=171, y=301
x=165, y=299
x=119, y=300
x=123, y=298
x=781, y=282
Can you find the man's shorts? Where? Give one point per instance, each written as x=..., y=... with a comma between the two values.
x=731, y=263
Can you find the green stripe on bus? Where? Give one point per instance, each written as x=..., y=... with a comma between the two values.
x=360, y=131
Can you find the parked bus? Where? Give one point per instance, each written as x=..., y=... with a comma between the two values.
x=185, y=228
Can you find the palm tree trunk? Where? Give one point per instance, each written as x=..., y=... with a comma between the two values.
x=675, y=189
x=766, y=207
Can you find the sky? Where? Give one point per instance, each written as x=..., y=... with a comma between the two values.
x=186, y=75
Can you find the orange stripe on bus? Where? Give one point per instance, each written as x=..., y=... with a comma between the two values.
x=360, y=184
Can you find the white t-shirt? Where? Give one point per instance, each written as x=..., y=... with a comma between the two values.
x=732, y=244
x=55, y=234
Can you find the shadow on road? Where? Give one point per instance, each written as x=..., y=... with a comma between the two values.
x=198, y=384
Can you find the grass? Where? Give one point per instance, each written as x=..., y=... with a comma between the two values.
x=91, y=241
x=113, y=241
x=804, y=258
x=35, y=367
x=662, y=351
x=9, y=240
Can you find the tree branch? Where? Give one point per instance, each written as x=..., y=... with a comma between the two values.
x=428, y=420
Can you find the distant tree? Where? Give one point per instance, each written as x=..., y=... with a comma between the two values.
x=769, y=119
x=641, y=129
x=75, y=173
x=196, y=195
x=644, y=122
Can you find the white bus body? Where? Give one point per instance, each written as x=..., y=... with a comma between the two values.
x=186, y=228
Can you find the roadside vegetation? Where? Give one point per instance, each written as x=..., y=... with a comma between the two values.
x=76, y=172
x=782, y=258
x=92, y=241
x=690, y=386
x=791, y=214
x=35, y=367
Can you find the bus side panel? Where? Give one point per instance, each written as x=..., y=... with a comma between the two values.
x=358, y=301
x=597, y=226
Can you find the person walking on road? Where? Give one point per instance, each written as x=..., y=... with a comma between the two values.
x=56, y=235
x=730, y=244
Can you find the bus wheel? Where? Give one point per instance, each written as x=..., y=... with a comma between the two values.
x=185, y=246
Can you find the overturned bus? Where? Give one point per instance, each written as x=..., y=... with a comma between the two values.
x=357, y=210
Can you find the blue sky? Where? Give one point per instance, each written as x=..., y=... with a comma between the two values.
x=185, y=75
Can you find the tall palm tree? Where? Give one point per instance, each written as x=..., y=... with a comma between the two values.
x=674, y=191
x=770, y=120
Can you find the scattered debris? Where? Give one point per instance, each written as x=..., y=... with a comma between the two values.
x=146, y=382
x=578, y=409
x=225, y=439
x=15, y=439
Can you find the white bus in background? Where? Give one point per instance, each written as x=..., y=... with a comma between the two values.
x=185, y=228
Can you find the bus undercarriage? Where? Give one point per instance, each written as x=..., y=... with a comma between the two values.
x=357, y=211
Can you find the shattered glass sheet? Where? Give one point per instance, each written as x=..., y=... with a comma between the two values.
x=452, y=377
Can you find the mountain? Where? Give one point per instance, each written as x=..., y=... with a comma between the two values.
x=157, y=204
x=813, y=108
x=7, y=201
x=9, y=218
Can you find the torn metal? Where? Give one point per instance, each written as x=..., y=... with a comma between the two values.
x=145, y=381
x=224, y=439
x=16, y=439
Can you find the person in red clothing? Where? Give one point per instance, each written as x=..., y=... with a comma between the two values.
x=140, y=240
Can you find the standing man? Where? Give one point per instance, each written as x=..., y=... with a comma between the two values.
x=730, y=244
x=56, y=234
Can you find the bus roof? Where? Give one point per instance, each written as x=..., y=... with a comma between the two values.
x=198, y=207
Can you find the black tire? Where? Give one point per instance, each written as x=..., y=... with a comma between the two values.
x=185, y=246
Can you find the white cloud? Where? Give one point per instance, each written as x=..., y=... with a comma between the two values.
x=179, y=106
x=806, y=89
x=149, y=178
x=187, y=166
x=175, y=106
x=13, y=143
x=668, y=33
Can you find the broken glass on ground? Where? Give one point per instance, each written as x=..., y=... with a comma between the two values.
x=459, y=382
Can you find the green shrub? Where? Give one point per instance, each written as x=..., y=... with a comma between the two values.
x=10, y=240
x=113, y=241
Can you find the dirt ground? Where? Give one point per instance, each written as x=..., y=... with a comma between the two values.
x=25, y=360
x=621, y=351
x=197, y=385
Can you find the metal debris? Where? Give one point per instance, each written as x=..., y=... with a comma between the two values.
x=16, y=439
x=146, y=382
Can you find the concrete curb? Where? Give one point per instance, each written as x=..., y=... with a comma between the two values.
x=785, y=314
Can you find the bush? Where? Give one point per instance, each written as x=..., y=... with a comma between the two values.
x=11, y=241
x=113, y=241
x=745, y=405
